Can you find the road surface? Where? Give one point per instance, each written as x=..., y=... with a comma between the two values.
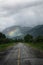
x=21, y=55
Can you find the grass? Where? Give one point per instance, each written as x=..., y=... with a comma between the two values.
x=36, y=45
x=5, y=46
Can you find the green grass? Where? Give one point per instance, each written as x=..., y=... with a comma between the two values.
x=36, y=45
x=5, y=46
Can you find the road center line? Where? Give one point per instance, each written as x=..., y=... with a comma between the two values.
x=19, y=56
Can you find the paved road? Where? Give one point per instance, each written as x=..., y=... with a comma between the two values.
x=21, y=55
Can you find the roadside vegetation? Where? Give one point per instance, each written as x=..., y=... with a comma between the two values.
x=28, y=40
x=6, y=42
x=3, y=47
x=34, y=42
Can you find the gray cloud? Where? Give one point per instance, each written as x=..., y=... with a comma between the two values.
x=23, y=14
x=16, y=9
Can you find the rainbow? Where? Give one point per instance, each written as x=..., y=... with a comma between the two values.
x=14, y=33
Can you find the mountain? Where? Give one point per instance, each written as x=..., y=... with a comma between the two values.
x=16, y=31
x=25, y=29
x=20, y=32
x=36, y=31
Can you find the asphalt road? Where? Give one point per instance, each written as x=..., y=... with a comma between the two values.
x=21, y=55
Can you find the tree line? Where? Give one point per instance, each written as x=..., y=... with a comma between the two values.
x=27, y=38
x=4, y=39
x=30, y=38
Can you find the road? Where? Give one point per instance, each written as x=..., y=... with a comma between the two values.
x=21, y=55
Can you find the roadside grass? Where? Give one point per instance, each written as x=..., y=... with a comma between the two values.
x=5, y=46
x=36, y=45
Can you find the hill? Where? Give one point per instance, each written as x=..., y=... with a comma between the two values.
x=16, y=31
x=36, y=31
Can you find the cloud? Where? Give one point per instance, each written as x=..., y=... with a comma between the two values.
x=20, y=12
x=6, y=22
x=13, y=7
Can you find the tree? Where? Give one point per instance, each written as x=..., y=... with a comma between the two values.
x=28, y=38
x=2, y=35
x=2, y=38
x=39, y=39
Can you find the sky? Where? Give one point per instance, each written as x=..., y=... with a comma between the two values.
x=27, y=13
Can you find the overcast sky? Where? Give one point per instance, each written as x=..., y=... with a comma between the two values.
x=20, y=12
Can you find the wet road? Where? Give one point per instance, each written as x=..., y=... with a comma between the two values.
x=21, y=55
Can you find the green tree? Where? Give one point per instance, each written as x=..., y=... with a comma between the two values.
x=28, y=38
x=2, y=38
x=2, y=35
x=39, y=39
